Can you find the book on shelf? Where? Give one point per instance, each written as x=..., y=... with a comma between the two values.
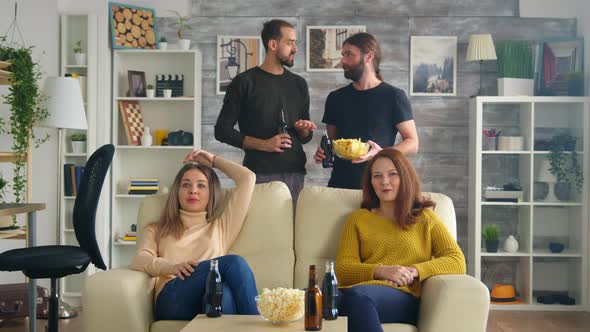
x=143, y=188
x=128, y=238
x=142, y=192
x=72, y=178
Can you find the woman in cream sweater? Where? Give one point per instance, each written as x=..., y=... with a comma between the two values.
x=177, y=250
x=390, y=246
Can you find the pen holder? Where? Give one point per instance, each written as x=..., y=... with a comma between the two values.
x=510, y=143
x=492, y=143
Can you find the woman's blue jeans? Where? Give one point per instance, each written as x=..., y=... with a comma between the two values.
x=184, y=299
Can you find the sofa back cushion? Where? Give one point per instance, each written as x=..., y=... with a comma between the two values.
x=266, y=239
x=321, y=213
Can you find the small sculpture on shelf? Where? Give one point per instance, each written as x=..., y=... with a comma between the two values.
x=510, y=244
x=490, y=235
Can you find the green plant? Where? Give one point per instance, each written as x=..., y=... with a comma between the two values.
x=490, y=232
x=182, y=24
x=79, y=137
x=515, y=59
x=25, y=102
x=78, y=47
x=163, y=40
x=565, y=166
x=150, y=87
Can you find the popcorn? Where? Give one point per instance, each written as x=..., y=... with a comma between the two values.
x=281, y=304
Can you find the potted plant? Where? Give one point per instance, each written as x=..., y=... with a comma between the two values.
x=78, y=55
x=163, y=44
x=515, y=68
x=565, y=165
x=490, y=235
x=167, y=91
x=150, y=92
x=183, y=44
x=78, y=141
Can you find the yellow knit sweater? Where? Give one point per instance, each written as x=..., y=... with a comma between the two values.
x=369, y=240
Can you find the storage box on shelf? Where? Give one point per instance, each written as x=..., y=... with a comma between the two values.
x=182, y=112
x=551, y=262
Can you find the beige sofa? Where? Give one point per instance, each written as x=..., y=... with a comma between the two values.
x=122, y=299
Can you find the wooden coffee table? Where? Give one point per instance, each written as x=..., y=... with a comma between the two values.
x=247, y=323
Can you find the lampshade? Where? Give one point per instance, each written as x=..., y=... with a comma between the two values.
x=64, y=104
x=481, y=47
x=543, y=173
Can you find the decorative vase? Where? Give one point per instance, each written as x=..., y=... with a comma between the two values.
x=540, y=190
x=556, y=247
x=150, y=93
x=167, y=93
x=184, y=44
x=562, y=191
x=163, y=45
x=79, y=146
x=510, y=244
x=146, y=139
x=492, y=245
x=80, y=59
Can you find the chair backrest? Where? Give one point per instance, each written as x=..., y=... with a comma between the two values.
x=87, y=201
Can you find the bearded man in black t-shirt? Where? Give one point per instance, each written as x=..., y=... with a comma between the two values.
x=368, y=108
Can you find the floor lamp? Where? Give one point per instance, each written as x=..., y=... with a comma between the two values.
x=66, y=111
x=480, y=48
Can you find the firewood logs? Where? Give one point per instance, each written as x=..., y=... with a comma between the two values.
x=133, y=27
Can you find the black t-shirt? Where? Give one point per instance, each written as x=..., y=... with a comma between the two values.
x=254, y=100
x=371, y=114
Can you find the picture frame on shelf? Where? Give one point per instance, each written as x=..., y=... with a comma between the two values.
x=132, y=27
x=235, y=55
x=132, y=121
x=324, y=46
x=433, y=66
x=560, y=70
x=137, y=84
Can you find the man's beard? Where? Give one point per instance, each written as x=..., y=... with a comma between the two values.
x=355, y=72
x=285, y=61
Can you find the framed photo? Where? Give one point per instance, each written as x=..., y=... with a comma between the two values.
x=560, y=69
x=324, y=46
x=433, y=66
x=236, y=54
x=137, y=86
x=132, y=26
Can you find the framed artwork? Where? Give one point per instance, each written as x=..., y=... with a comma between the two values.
x=433, y=66
x=132, y=26
x=236, y=54
x=560, y=69
x=324, y=46
x=132, y=121
x=137, y=86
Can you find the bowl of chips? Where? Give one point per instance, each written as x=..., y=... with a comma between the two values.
x=281, y=305
x=350, y=148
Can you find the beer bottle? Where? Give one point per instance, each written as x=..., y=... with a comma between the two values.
x=282, y=126
x=330, y=293
x=313, y=302
x=326, y=145
x=213, y=291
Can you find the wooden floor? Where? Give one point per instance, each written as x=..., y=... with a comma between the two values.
x=499, y=321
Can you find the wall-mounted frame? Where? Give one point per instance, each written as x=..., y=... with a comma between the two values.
x=324, y=46
x=433, y=66
x=132, y=27
x=560, y=70
x=235, y=55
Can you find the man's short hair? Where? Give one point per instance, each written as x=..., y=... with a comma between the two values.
x=272, y=30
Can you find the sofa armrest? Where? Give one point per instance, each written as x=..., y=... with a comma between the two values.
x=118, y=300
x=453, y=303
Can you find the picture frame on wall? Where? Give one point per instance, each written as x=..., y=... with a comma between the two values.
x=433, y=66
x=132, y=27
x=137, y=84
x=235, y=55
x=560, y=67
x=324, y=46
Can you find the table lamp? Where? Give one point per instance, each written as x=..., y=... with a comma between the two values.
x=544, y=175
x=66, y=111
x=481, y=47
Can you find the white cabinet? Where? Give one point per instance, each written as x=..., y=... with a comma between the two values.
x=170, y=114
x=528, y=124
x=76, y=30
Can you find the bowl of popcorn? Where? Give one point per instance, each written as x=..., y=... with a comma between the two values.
x=281, y=305
x=350, y=149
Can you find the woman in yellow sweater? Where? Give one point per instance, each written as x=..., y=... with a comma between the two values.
x=177, y=250
x=390, y=246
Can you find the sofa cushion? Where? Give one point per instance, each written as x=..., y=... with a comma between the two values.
x=266, y=238
x=321, y=213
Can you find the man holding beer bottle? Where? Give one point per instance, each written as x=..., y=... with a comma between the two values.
x=368, y=108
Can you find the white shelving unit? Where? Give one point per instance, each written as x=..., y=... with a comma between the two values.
x=172, y=114
x=75, y=27
x=534, y=270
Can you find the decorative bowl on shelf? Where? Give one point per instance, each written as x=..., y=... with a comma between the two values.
x=281, y=305
x=350, y=149
x=556, y=247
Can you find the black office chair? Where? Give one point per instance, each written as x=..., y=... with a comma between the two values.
x=55, y=262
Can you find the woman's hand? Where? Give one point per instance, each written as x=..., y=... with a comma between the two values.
x=185, y=269
x=396, y=274
x=200, y=156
